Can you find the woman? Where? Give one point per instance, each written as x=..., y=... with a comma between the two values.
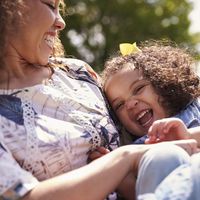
x=52, y=113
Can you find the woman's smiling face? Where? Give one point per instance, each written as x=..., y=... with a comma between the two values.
x=34, y=39
x=134, y=100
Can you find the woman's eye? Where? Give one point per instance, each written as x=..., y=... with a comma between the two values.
x=51, y=6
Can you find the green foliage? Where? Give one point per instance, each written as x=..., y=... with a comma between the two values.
x=94, y=28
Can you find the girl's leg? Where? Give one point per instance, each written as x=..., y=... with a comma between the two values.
x=183, y=183
x=156, y=164
x=195, y=171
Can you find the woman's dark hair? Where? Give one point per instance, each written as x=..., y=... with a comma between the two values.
x=11, y=17
x=170, y=70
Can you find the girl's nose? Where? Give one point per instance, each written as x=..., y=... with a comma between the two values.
x=59, y=22
x=131, y=103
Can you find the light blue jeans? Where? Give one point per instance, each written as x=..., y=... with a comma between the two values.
x=165, y=161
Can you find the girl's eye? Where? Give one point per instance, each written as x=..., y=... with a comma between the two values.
x=138, y=89
x=118, y=106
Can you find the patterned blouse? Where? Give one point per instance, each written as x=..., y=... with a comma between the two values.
x=48, y=129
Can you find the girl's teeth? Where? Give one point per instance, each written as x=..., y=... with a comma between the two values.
x=142, y=114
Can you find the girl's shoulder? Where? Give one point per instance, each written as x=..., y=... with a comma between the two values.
x=190, y=115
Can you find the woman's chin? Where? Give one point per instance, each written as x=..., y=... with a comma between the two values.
x=44, y=60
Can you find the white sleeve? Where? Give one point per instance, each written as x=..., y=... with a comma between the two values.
x=15, y=182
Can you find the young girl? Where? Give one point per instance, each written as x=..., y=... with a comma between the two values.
x=157, y=81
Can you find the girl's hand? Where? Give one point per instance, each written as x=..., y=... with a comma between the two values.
x=99, y=152
x=167, y=129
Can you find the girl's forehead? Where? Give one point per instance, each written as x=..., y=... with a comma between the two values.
x=128, y=68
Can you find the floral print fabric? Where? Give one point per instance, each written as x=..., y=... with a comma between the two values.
x=48, y=129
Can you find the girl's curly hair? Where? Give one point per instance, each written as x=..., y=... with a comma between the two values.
x=170, y=70
x=11, y=17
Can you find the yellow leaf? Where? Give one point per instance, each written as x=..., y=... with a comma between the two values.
x=127, y=48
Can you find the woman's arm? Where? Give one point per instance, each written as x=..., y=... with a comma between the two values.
x=94, y=181
x=195, y=134
x=100, y=177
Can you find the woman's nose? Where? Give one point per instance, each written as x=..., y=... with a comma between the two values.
x=59, y=22
x=131, y=103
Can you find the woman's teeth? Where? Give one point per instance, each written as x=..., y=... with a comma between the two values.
x=50, y=41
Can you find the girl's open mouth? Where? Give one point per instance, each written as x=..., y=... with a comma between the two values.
x=145, y=118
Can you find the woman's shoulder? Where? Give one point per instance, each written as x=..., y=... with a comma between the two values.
x=68, y=62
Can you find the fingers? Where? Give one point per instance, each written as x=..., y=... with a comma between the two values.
x=164, y=130
x=102, y=150
x=156, y=132
x=99, y=152
x=94, y=155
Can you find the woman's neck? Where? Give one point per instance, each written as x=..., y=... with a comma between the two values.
x=26, y=76
x=18, y=73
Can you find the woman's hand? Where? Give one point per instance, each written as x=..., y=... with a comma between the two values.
x=167, y=129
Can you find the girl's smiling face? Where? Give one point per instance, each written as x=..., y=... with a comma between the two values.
x=134, y=100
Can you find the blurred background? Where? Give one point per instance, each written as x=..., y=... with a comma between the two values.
x=95, y=28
